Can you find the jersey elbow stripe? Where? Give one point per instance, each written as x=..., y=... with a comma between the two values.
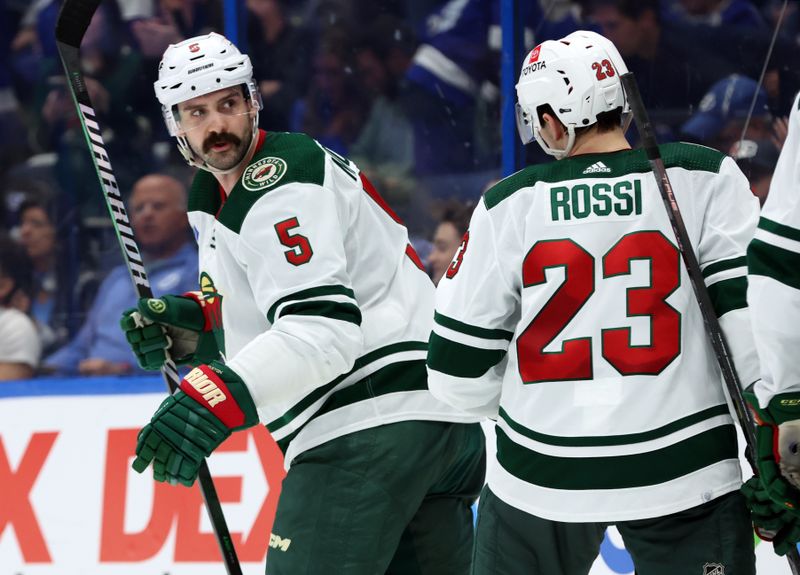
x=311, y=293
x=723, y=266
x=459, y=360
x=728, y=295
x=471, y=330
x=774, y=262
x=616, y=472
x=393, y=378
x=333, y=310
x=782, y=230
x=363, y=366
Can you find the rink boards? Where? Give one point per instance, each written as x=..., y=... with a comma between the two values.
x=71, y=505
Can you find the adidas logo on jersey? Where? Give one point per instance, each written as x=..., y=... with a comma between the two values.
x=597, y=168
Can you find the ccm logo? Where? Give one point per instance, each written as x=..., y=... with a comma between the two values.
x=194, y=47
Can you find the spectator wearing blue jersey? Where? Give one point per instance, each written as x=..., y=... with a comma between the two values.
x=723, y=111
x=158, y=214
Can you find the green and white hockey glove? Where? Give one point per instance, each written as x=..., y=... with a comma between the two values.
x=772, y=522
x=778, y=446
x=189, y=326
x=211, y=403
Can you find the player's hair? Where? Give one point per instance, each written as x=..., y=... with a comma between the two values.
x=457, y=213
x=606, y=121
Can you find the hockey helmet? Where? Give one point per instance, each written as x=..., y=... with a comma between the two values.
x=578, y=76
x=196, y=67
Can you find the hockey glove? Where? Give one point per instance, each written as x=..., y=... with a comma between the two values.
x=185, y=325
x=772, y=522
x=778, y=446
x=211, y=403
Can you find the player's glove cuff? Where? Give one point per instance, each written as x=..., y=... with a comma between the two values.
x=217, y=388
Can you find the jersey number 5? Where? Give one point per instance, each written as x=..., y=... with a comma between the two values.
x=574, y=361
x=300, y=251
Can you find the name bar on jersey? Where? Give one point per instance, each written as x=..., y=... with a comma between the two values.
x=601, y=199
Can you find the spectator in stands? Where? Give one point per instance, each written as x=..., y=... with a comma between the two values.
x=453, y=224
x=157, y=209
x=723, y=111
x=672, y=64
x=19, y=343
x=385, y=147
x=334, y=110
x=114, y=82
x=757, y=159
x=37, y=235
x=272, y=43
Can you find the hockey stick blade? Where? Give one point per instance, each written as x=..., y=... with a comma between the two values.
x=713, y=329
x=73, y=20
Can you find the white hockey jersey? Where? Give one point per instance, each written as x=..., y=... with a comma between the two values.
x=568, y=315
x=773, y=260
x=326, y=308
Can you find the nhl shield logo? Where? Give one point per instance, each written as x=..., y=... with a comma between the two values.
x=713, y=569
x=264, y=173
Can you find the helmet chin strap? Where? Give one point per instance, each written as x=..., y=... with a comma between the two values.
x=556, y=153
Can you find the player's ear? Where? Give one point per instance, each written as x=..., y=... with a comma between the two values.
x=553, y=125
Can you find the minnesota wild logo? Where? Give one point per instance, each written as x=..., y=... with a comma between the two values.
x=208, y=289
x=264, y=173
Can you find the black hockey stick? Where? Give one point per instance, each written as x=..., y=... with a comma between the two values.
x=73, y=20
x=713, y=328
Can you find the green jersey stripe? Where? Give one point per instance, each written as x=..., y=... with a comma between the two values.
x=779, y=229
x=723, y=265
x=472, y=330
x=461, y=360
x=624, y=439
x=393, y=378
x=332, y=309
x=728, y=295
x=310, y=293
x=617, y=472
x=320, y=392
x=782, y=265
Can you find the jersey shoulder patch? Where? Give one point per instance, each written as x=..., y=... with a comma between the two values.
x=285, y=158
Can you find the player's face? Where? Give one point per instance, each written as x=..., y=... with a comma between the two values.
x=445, y=243
x=37, y=233
x=218, y=126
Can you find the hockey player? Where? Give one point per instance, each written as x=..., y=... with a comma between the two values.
x=325, y=311
x=568, y=317
x=773, y=260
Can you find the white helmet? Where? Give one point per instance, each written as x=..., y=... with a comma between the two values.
x=578, y=76
x=196, y=67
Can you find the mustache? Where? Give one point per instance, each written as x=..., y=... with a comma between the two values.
x=215, y=138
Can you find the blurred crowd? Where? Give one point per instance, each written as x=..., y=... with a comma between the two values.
x=408, y=89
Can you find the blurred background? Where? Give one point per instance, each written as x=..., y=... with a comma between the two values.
x=411, y=90
x=416, y=92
